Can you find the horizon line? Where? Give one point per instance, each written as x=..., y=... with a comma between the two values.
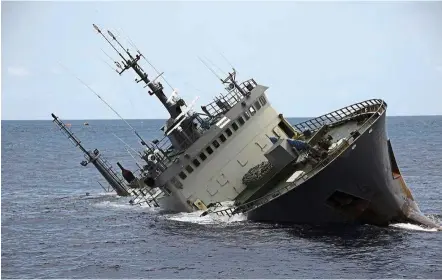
x=94, y=119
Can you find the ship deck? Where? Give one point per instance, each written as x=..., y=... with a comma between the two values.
x=344, y=126
x=282, y=179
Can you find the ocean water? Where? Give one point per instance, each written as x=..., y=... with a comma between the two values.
x=51, y=229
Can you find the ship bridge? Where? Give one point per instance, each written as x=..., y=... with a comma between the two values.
x=213, y=113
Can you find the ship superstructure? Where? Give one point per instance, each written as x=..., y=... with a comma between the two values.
x=203, y=156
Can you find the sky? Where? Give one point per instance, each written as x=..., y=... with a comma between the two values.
x=315, y=57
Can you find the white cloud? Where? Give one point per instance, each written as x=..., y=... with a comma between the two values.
x=18, y=71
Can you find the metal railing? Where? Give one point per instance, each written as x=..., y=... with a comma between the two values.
x=110, y=169
x=144, y=196
x=340, y=114
x=224, y=102
x=369, y=105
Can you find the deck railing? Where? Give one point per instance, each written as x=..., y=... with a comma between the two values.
x=145, y=196
x=226, y=101
x=373, y=106
x=367, y=106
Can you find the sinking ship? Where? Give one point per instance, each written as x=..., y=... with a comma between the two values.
x=239, y=155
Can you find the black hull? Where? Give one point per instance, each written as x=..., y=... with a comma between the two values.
x=358, y=187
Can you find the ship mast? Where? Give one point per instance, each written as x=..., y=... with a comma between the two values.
x=130, y=61
x=96, y=159
x=180, y=128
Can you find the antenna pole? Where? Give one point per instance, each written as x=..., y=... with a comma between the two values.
x=138, y=51
x=86, y=85
x=156, y=88
x=227, y=60
x=127, y=145
x=95, y=158
x=71, y=135
x=99, y=31
x=115, y=39
x=211, y=70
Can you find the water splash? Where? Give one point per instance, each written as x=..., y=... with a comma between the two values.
x=195, y=217
x=125, y=205
x=408, y=226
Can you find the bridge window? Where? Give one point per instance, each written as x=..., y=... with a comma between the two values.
x=222, y=138
x=182, y=175
x=209, y=150
x=287, y=130
x=177, y=183
x=189, y=169
x=215, y=144
x=263, y=100
x=241, y=121
x=228, y=132
x=203, y=156
x=247, y=115
x=257, y=105
x=235, y=126
x=252, y=110
x=196, y=162
x=166, y=190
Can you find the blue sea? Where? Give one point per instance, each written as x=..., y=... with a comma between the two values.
x=52, y=229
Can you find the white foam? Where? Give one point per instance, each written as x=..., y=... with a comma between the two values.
x=413, y=227
x=107, y=204
x=195, y=217
x=98, y=195
x=112, y=193
x=123, y=205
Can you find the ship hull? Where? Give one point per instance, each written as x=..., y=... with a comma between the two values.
x=357, y=187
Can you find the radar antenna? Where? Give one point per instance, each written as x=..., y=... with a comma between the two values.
x=231, y=80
